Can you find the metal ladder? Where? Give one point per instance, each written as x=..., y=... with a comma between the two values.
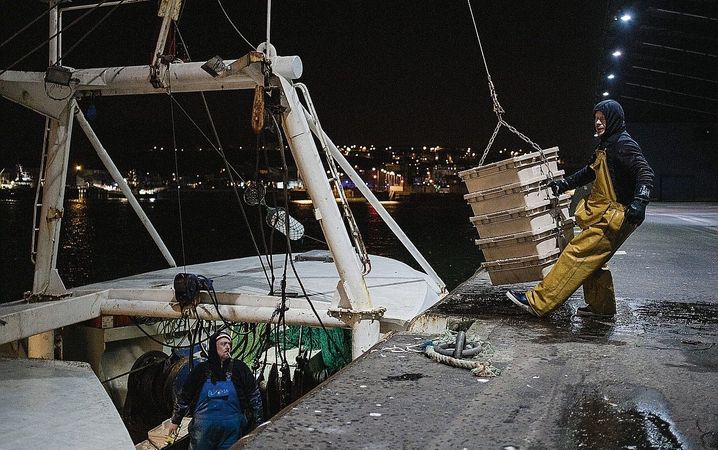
x=336, y=182
x=37, y=210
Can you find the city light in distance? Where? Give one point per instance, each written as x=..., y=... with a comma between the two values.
x=605, y=94
x=611, y=76
x=617, y=53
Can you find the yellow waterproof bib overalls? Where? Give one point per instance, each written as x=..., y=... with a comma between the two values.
x=582, y=262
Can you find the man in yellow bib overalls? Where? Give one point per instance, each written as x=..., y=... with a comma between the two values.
x=622, y=182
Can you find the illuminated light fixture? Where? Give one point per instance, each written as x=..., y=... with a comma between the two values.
x=214, y=66
x=617, y=53
x=605, y=94
x=58, y=75
x=611, y=76
x=626, y=18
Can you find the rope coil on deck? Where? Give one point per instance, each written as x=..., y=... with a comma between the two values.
x=478, y=368
x=462, y=346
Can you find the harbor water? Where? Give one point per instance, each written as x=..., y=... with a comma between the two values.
x=103, y=239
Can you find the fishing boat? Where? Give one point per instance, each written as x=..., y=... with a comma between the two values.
x=16, y=182
x=344, y=287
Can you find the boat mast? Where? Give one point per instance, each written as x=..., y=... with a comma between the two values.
x=46, y=280
x=352, y=304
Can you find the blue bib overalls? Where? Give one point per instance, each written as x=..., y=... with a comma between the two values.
x=218, y=419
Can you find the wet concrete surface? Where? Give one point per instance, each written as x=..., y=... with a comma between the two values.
x=645, y=379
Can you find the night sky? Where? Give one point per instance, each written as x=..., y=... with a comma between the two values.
x=380, y=72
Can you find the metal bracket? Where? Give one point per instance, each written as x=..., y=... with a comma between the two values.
x=351, y=315
x=54, y=214
x=244, y=61
x=159, y=71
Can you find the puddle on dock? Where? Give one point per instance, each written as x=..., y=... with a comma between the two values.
x=405, y=377
x=678, y=313
x=640, y=422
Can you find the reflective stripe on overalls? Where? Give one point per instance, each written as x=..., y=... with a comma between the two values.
x=583, y=260
x=218, y=417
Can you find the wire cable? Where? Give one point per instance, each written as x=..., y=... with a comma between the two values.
x=177, y=178
x=228, y=167
x=31, y=23
x=294, y=269
x=42, y=44
x=134, y=320
x=84, y=36
x=219, y=2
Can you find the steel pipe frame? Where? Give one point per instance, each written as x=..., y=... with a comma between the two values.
x=119, y=179
x=369, y=195
x=352, y=290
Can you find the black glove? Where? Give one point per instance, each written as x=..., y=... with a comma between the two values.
x=558, y=186
x=636, y=211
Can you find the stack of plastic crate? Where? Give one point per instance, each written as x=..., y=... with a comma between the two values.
x=522, y=226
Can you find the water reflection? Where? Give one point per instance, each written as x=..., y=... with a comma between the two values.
x=77, y=250
x=641, y=421
x=104, y=239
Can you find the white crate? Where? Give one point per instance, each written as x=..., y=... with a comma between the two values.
x=528, y=243
x=521, y=219
x=513, y=170
x=521, y=270
x=529, y=194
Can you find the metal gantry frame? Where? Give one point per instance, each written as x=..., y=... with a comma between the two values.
x=352, y=306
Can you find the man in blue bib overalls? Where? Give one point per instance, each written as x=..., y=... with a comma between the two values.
x=622, y=183
x=223, y=397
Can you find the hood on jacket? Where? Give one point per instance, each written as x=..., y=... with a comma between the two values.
x=218, y=369
x=615, y=118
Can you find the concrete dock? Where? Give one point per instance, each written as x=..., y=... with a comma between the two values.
x=645, y=379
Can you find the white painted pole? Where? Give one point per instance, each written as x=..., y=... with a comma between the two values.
x=269, y=23
x=352, y=286
x=252, y=314
x=117, y=176
x=383, y=213
x=53, y=195
x=53, y=45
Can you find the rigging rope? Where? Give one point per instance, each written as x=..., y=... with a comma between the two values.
x=29, y=24
x=230, y=169
x=99, y=22
x=177, y=178
x=253, y=47
x=42, y=44
x=294, y=269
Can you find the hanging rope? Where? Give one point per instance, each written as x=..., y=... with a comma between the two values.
x=498, y=109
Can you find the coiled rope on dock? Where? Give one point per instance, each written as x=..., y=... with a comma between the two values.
x=478, y=348
x=478, y=368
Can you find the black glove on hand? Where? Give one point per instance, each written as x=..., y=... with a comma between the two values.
x=636, y=211
x=558, y=187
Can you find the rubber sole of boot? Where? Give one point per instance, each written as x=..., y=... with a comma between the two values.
x=585, y=312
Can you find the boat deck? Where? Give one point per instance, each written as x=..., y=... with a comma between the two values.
x=56, y=404
x=404, y=292
x=645, y=379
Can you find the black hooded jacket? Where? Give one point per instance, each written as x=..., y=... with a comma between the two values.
x=631, y=175
x=213, y=369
